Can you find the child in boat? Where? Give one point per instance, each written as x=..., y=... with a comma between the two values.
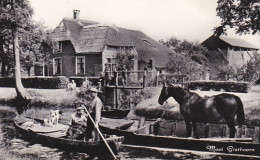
x=77, y=124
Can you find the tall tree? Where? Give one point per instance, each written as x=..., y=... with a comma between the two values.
x=242, y=15
x=16, y=16
x=6, y=56
x=30, y=44
x=193, y=50
x=250, y=72
x=188, y=58
x=171, y=42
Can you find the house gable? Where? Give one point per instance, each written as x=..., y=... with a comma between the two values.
x=110, y=53
x=213, y=43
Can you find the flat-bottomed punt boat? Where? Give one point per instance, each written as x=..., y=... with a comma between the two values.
x=53, y=137
x=148, y=135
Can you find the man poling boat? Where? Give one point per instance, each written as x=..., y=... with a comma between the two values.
x=94, y=119
x=97, y=128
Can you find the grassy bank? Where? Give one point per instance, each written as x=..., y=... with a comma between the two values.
x=147, y=107
x=41, y=97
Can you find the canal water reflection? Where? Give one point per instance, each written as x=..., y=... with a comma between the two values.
x=12, y=142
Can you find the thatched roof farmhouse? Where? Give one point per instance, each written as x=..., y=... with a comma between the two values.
x=86, y=48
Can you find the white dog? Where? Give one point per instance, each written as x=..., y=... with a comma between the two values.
x=53, y=118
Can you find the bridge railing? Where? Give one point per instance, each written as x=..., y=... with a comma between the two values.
x=141, y=78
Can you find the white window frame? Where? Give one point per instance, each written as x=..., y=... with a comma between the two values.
x=84, y=66
x=59, y=46
x=54, y=68
x=124, y=49
x=111, y=64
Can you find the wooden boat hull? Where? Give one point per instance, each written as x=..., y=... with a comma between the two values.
x=97, y=148
x=115, y=113
x=227, y=146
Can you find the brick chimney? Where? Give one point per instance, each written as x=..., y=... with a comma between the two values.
x=76, y=14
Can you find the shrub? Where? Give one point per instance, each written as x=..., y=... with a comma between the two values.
x=228, y=86
x=172, y=78
x=37, y=82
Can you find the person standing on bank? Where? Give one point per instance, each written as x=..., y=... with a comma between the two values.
x=95, y=112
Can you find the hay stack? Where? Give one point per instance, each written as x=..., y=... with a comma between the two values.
x=150, y=108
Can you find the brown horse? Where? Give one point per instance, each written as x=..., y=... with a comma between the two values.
x=195, y=108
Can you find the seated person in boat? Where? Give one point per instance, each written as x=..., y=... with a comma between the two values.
x=77, y=124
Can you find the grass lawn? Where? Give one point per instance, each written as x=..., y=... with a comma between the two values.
x=53, y=97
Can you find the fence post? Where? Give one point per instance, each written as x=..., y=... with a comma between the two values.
x=116, y=84
x=157, y=78
x=144, y=79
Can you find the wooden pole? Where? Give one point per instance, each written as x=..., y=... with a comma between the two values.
x=43, y=68
x=157, y=78
x=110, y=150
x=116, y=92
x=144, y=79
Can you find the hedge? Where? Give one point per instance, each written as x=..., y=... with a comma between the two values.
x=37, y=82
x=227, y=86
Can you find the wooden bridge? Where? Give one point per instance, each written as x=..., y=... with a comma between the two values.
x=129, y=81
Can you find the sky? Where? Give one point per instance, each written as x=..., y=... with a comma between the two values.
x=192, y=20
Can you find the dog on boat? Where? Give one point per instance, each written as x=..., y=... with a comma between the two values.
x=53, y=118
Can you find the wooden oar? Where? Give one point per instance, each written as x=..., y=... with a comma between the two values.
x=100, y=134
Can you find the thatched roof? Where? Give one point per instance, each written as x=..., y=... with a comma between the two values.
x=92, y=37
x=238, y=43
x=223, y=43
x=148, y=48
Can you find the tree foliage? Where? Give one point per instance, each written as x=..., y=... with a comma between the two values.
x=125, y=61
x=193, y=50
x=179, y=64
x=30, y=43
x=249, y=72
x=6, y=50
x=15, y=15
x=31, y=37
x=189, y=57
x=242, y=15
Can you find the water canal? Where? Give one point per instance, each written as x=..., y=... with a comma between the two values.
x=13, y=144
